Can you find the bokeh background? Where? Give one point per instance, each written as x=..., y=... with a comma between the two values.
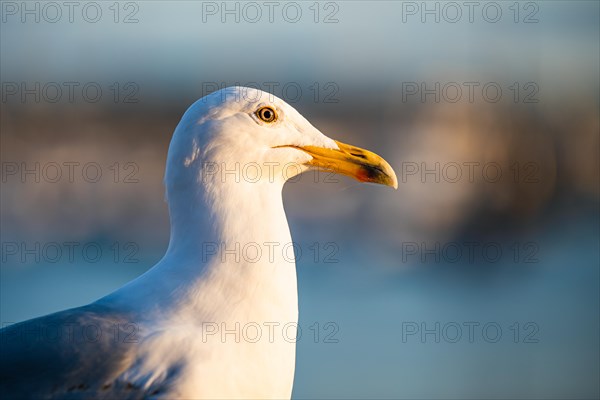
x=389, y=262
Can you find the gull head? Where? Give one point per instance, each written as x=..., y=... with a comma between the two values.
x=241, y=134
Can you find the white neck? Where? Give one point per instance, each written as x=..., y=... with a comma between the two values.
x=227, y=259
x=199, y=282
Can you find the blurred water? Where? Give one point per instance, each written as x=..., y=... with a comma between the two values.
x=558, y=297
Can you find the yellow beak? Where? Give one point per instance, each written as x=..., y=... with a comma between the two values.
x=357, y=163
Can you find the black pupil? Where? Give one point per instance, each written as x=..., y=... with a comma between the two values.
x=267, y=114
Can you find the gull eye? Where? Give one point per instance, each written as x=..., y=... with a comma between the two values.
x=266, y=114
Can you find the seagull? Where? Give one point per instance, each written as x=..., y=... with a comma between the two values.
x=216, y=317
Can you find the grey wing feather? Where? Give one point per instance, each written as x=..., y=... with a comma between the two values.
x=72, y=354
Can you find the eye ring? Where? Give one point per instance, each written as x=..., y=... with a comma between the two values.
x=267, y=114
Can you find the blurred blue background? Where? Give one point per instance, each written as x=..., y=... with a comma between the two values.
x=387, y=271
